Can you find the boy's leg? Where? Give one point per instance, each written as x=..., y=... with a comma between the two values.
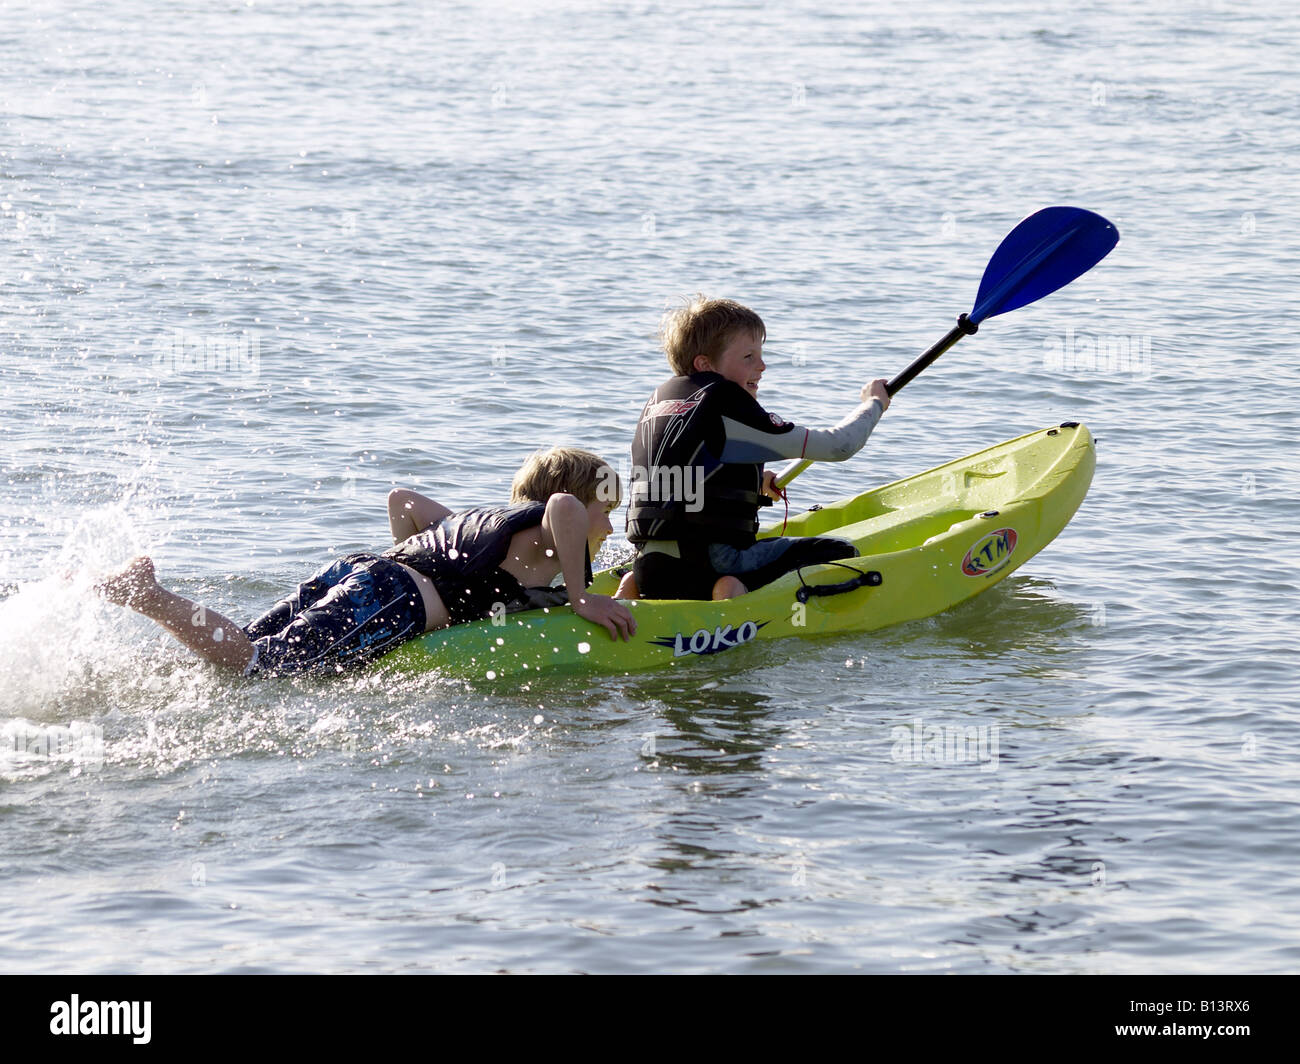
x=374, y=607
x=769, y=559
x=627, y=588
x=664, y=570
x=278, y=617
x=206, y=632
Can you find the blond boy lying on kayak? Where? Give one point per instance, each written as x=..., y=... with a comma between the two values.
x=446, y=568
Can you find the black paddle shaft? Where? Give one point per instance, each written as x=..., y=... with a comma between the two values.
x=964, y=327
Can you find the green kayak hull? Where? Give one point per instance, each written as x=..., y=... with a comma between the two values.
x=926, y=543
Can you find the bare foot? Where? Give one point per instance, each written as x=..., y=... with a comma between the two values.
x=627, y=588
x=132, y=585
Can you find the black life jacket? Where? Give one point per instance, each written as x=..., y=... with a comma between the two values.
x=681, y=489
x=462, y=555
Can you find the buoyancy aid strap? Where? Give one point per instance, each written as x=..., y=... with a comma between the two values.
x=749, y=498
x=650, y=514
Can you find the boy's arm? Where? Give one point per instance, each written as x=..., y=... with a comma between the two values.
x=410, y=513
x=761, y=442
x=844, y=440
x=565, y=523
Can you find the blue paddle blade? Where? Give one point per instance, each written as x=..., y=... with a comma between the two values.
x=1046, y=251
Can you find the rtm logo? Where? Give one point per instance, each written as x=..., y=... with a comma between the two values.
x=990, y=553
x=710, y=640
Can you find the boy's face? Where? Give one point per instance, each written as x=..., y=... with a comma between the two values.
x=741, y=361
x=598, y=523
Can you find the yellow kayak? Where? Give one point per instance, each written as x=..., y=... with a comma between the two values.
x=926, y=543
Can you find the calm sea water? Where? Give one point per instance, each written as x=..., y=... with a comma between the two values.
x=415, y=242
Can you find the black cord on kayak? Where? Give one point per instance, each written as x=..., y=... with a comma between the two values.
x=853, y=569
x=864, y=578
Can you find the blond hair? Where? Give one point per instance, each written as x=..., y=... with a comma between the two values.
x=568, y=470
x=705, y=327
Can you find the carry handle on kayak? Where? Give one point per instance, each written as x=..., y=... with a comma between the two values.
x=1046, y=251
x=870, y=578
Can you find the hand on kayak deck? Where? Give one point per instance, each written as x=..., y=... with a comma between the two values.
x=877, y=390
x=601, y=609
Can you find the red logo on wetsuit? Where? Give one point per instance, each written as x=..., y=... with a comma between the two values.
x=672, y=407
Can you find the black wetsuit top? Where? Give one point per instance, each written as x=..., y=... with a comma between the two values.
x=683, y=487
x=697, y=459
